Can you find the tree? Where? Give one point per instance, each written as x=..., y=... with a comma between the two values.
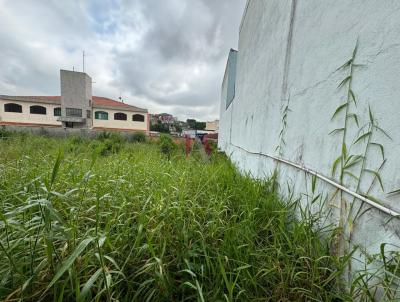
x=200, y=126
x=191, y=123
x=195, y=125
x=178, y=127
x=159, y=127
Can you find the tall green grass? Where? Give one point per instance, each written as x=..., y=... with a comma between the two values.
x=130, y=224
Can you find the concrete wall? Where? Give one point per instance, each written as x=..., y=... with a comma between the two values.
x=59, y=131
x=289, y=55
x=76, y=92
x=116, y=124
x=26, y=116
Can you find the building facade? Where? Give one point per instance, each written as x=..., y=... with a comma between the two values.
x=310, y=78
x=75, y=108
x=212, y=126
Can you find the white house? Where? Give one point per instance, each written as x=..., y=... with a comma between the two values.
x=75, y=108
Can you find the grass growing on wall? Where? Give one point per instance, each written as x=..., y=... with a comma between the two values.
x=108, y=220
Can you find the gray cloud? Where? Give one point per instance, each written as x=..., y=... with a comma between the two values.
x=162, y=55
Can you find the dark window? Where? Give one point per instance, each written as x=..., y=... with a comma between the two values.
x=119, y=116
x=73, y=112
x=138, y=118
x=11, y=107
x=90, y=103
x=57, y=111
x=88, y=114
x=37, y=109
x=101, y=115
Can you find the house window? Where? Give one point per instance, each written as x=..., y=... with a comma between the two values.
x=73, y=112
x=88, y=113
x=101, y=115
x=37, y=109
x=90, y=103
x=57, y=111
x=138, y=118
x=11, y=107
x=119, y=116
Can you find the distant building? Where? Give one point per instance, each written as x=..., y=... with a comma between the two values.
x=164, y=118
x=75, y=108
x=212, y=126
x=164, y=122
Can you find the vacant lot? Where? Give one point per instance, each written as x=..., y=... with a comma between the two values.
x=113, y=220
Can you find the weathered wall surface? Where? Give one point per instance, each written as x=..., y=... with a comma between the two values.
x=289, y=55
x=76, y=92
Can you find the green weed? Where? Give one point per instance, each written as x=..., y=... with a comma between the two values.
x=133, y=226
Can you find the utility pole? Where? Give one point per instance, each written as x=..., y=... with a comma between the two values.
x=83, y=61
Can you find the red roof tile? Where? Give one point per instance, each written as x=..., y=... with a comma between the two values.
x=102, y=101
x=28, y=98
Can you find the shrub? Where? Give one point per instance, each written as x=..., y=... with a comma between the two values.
x=167, y=146
x=103, y=135
x=107, y=143
x=113, y=136
x=137, y=137
x=4, y=133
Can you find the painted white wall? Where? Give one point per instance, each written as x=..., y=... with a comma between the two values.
x=26, y=117
x=115, y=124
x=324, y=36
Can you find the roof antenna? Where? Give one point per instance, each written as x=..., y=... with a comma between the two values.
x=83, y=61
x=73, y=68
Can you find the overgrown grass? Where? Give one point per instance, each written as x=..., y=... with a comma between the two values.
x=129, y=224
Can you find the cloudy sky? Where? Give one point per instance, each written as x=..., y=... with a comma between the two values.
x=164, y=55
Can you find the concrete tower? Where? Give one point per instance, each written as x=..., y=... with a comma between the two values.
x=76, y=99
